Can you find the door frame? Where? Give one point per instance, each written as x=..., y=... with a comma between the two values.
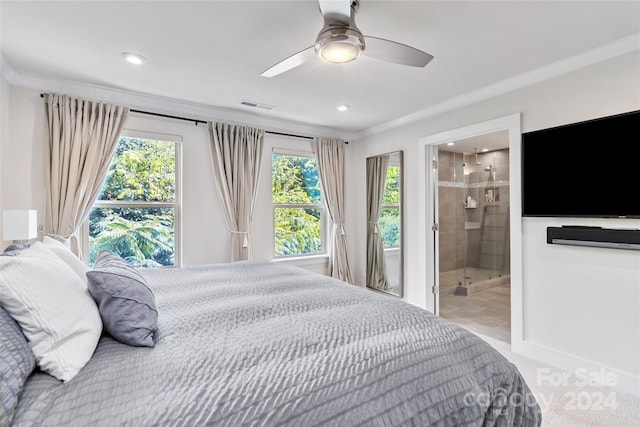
x=512, y=123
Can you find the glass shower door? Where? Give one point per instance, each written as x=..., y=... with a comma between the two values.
x=488, y=241
x=451, y=221
x=473, y=191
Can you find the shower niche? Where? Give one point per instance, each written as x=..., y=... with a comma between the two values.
x=492, y=195
x=473, y=190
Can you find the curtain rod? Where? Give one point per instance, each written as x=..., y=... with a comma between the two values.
x=197, y=122
x=187, y=119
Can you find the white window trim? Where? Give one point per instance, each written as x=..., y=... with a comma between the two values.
x=176, y=205
x=323, y=215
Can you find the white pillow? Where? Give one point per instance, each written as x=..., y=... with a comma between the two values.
x=54, y=309
x=67, y=256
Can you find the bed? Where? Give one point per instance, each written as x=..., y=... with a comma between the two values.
x=261, y=343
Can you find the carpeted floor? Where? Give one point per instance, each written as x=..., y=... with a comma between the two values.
x=567, y=400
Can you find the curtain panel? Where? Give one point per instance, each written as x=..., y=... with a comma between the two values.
x=81, y=138
x=331, y=157
x=376, y=264
x=236, y=153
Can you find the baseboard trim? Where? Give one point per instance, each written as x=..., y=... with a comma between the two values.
x=625, y=382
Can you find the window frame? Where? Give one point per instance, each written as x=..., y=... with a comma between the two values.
x=176, y=205
x=320, y=205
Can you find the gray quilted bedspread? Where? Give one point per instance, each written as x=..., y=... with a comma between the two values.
x=264, y=344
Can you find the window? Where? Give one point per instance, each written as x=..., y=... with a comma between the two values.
x=297, y=205
x=389, y=222
x=136, y=213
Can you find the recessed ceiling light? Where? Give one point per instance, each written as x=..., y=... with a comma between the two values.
x=484, y=150
x=343, y=107
x=451, y=143
x=133, y=58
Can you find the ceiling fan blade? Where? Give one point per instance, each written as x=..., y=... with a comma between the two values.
x=386, y=50
x=336, y=10
x=291, y=62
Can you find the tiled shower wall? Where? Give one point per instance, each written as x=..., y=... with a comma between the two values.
x=460, y=227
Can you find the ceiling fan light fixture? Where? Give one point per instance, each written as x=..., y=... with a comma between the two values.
x=341, y=47
x=341, y=41
x=339, y=52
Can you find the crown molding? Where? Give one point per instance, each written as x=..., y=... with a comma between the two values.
x=164, y=105
x=556, y=69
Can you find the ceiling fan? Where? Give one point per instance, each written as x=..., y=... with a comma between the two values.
x=341, y=41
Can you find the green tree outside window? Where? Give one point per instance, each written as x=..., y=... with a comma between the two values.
x=296, y=196
x=134, y=215
x=389, y=222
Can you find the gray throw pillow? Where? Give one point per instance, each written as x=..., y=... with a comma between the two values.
x=127, y=305
x=13, y=250
x=16, y=364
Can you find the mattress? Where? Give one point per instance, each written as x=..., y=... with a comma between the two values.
x=260, y=343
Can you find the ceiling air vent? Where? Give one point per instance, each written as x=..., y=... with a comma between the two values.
x=256, y=105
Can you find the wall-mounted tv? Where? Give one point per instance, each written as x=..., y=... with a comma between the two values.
x=589, y=169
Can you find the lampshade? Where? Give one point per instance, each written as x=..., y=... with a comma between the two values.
x=19, y=224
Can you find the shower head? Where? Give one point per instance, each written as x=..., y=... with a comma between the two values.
x=492, y=172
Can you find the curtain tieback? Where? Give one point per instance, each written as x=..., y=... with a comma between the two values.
x=245, y=242
x=341, y=227
x=375, y=228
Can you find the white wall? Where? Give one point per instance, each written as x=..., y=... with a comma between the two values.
x=204, y=230
x=583, y=301
x=581, y=304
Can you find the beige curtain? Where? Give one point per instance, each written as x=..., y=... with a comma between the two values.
x=330, y=153
x=236, y=153
x=81, y=138
x=376, y=264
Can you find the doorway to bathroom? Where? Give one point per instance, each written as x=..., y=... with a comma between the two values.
x=473, y=225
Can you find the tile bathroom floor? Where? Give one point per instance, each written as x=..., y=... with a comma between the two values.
x=487, y=312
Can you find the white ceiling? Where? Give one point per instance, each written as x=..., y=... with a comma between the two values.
x=212, y=53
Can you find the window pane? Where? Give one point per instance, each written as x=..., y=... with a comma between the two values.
x=389, y=224
x=297, y=231
x=295, y=179
x=142, y=236
x=141, y=170
x=392, y=186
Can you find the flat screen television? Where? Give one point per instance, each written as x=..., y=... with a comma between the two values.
x=588, y=169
